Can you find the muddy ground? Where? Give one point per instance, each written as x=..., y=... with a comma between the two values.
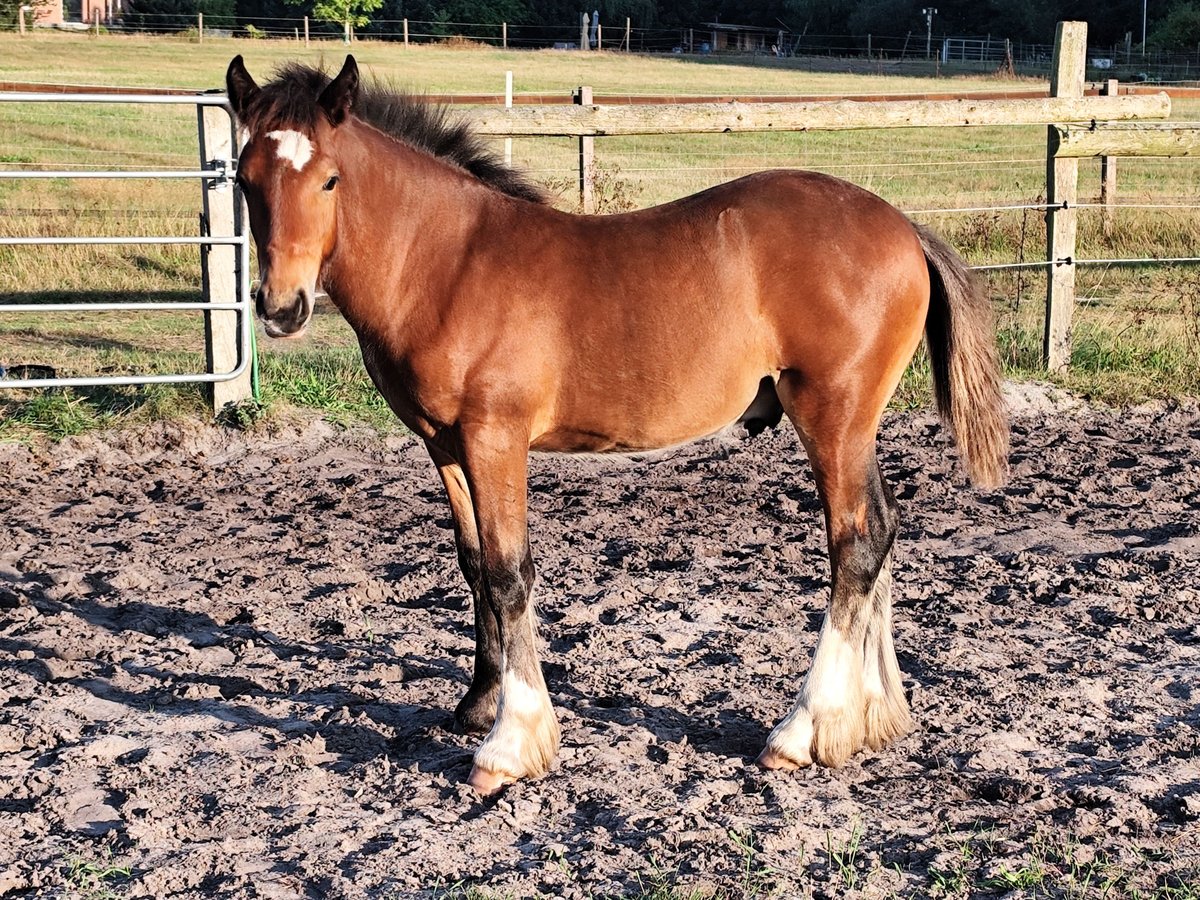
x=228, y=663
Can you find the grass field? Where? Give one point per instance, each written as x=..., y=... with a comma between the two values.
x=1138, y=328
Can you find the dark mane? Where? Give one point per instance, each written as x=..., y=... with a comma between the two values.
x=290, y=99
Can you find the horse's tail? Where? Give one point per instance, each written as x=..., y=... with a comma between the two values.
x=966, y=366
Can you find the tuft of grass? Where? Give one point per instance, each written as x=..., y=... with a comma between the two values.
x=53, y=414
x=660, y=883
x=332, y=380
x=461, y=890
x=757, y=878
x=844, y=856
x=95, y=879
x=242, y=416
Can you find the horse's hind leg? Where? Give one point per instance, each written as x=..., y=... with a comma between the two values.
x=477, y=710
x=887, y=709
x=852, y=693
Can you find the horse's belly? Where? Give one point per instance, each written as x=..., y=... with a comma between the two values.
x=623, y=422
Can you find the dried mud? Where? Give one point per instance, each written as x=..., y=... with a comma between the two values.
x=228, y=662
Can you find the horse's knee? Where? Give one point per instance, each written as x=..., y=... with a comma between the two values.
x=509, y=585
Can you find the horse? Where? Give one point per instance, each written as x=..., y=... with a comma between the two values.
x=482, y=324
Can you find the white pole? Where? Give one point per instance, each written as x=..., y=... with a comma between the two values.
x=1143, y=27
x=200, y=26
x=929, y=12
x=306, y=32
x=21, y=16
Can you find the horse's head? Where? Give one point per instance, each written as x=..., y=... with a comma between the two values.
x=289, y=175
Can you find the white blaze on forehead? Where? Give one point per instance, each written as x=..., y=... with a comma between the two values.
x=293, y=146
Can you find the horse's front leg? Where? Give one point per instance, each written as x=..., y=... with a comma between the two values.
x=477, y=710
x=524, y=737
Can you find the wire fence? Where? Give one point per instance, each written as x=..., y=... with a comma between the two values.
x=981, y=53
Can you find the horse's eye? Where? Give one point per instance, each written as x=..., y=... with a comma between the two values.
x=331, y=183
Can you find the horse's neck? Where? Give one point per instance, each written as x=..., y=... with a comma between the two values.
x=401, y=219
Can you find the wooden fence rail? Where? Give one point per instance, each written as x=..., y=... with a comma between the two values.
x=834, y=115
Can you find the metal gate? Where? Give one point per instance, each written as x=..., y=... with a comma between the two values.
x=231, y=315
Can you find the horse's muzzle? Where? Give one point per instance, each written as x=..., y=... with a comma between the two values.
x=287, y=319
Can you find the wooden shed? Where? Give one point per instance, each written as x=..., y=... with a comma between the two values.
x=742, y=38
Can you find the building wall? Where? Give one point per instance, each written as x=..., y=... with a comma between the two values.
x=50, y=13
x=108, y=9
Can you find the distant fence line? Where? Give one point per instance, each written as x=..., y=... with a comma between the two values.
x=945, y=48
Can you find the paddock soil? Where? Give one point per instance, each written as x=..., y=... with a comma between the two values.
x=229, y=662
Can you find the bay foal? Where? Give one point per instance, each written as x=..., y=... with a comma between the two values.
x=483, y=323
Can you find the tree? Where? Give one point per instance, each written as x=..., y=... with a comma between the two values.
x=10, y=8
x=350, y=14
x=1179, y=31
x=175, y=15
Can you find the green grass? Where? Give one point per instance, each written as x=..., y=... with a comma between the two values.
x=94, y=879
x=1057, y=865
x=1137, y=330
x=167, y=61
x=329, y=380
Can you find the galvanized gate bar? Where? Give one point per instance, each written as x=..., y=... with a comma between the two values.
x=118, y=173
x=236, y=240
x=165, y=99
x=221, y=171
x=117, y=307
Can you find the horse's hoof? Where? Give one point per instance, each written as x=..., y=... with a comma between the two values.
x=774, y=760
x=487, y=783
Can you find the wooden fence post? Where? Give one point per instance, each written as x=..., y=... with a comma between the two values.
x=628, y=48
x=306, y=32
x=200, y=27
x=504, y=35
x=587, y=158
x=218, y=262
x=508, y=105
x=1062, y=189
x=406, y=32
x=1108, y=175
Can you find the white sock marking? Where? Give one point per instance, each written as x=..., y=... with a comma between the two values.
x=520, y=697
x=293, y=146
x=835, y=671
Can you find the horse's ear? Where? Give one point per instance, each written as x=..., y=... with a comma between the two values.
x=239, y=85
x=340, y=94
